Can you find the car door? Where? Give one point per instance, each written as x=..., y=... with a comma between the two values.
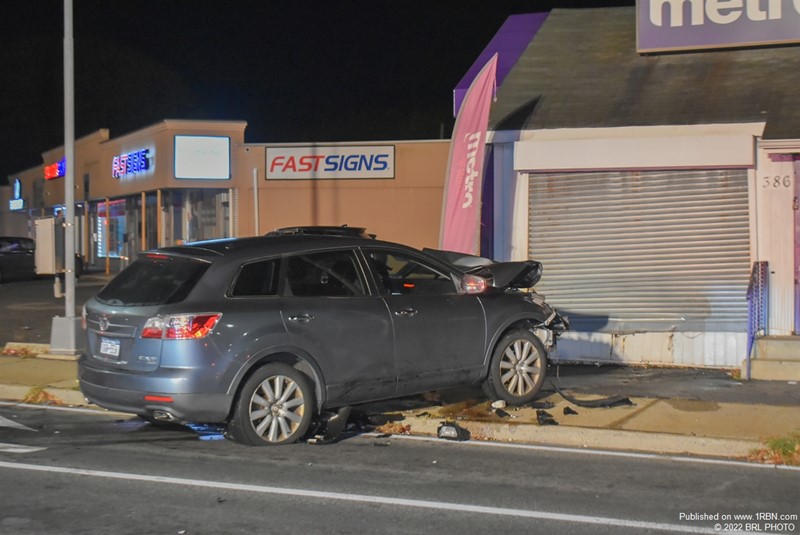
x=440, y=334
x=330, y=314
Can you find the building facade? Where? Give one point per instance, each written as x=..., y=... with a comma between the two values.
x=648, y=185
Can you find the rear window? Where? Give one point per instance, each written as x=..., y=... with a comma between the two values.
x=153, y=281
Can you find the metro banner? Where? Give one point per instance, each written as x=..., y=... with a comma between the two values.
x=330, y=162
x=461, y=217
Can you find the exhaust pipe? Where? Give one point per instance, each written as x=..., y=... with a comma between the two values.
x=163, y=416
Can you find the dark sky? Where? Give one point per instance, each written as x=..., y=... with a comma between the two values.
x=295, y=71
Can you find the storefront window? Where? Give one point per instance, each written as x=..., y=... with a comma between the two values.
x=110, y=229
x=206, y=215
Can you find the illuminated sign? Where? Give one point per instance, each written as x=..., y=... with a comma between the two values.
x=129, y=164
x=320, y=163
x=17, y=202
x=55, y=170
x=203, y=157
x=699, y=24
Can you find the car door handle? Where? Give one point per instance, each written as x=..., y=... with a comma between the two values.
x=406, y=312
x=302, y=318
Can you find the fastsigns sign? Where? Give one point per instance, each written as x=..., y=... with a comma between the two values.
x=321, y=163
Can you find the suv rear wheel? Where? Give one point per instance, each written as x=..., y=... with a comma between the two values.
x=517, y=368
x=274, y=407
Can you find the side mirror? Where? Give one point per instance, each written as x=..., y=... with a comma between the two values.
x=473, y=285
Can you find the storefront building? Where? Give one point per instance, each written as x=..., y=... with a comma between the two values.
x=649, y=184
x=182, y=181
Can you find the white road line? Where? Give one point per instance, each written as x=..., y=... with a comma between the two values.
x=361, y=498
x=607, y=453
x=17, y=448
x=5, y=422
x=84, y=410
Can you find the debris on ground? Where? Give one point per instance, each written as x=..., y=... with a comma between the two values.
x=331, y=426
x=208, y=431
x=452, y=431
x=499, y=404
x=37, y=394
x=23, y=352
x=501, y=413
x=394, y=428
x=569, y=410
x=542, y=405
x=545, y=418
x=613, y=401
x=782, y=450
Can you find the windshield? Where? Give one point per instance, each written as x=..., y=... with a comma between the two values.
x=154, y=280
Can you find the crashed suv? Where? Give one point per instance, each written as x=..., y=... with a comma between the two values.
x=268, y=333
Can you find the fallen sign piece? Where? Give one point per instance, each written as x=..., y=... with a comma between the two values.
x=613, y=401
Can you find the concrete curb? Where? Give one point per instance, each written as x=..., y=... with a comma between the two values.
x=583, y=437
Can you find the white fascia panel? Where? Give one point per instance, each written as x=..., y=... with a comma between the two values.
x=648, y=147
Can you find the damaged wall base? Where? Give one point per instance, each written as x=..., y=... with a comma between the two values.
x=699, y=349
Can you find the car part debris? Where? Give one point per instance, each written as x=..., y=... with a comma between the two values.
x=542, y=405
x=501, y=413
x=333, y=424
x=569, y=410
x=208, y=431
x=499, y=404
x=452, y=431
x=545, y=418
x=613, y=401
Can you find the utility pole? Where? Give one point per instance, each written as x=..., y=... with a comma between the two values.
x=66, y=332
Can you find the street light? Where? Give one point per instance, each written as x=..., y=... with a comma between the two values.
x=66, y=330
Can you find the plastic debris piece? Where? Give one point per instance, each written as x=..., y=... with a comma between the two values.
x=543, y=405
x=501, y=413
x=613, y=401
x=499, y=404
x=452, y=431
x=569, y=410
x=545, y=418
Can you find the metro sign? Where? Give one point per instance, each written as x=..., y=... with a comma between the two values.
x=699, y=24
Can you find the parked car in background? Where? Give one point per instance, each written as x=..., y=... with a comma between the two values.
x=17, y=259
x=266, y=333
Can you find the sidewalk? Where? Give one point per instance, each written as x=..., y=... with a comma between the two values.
x=672, y=411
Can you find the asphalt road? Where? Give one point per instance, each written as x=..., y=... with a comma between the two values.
x=75, y=471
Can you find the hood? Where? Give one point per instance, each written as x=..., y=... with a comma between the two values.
x=519, y=274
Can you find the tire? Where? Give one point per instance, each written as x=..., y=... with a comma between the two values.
x=517, y=369
x=275, y=406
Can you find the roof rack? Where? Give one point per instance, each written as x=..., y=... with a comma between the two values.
x=344, y=230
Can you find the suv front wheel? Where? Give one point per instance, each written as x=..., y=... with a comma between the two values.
x=274, y=407
x=517, y=368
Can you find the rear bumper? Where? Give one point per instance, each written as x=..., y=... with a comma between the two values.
x=184, y=406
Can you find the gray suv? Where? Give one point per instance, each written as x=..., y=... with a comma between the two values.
x=267, y=333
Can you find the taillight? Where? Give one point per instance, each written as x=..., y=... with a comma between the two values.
x=180, y=326
x=83, y=317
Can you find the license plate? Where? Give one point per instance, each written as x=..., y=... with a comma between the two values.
x=109, y=347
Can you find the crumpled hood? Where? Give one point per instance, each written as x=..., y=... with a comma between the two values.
x=518, y=274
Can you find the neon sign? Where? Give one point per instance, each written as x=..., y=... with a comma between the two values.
x=55, y=170
x=17, y=202
x=132, y=163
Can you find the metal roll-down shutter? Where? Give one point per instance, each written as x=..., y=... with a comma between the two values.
x=643, y=251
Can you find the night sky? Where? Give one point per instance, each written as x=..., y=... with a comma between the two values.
x=295, y=71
